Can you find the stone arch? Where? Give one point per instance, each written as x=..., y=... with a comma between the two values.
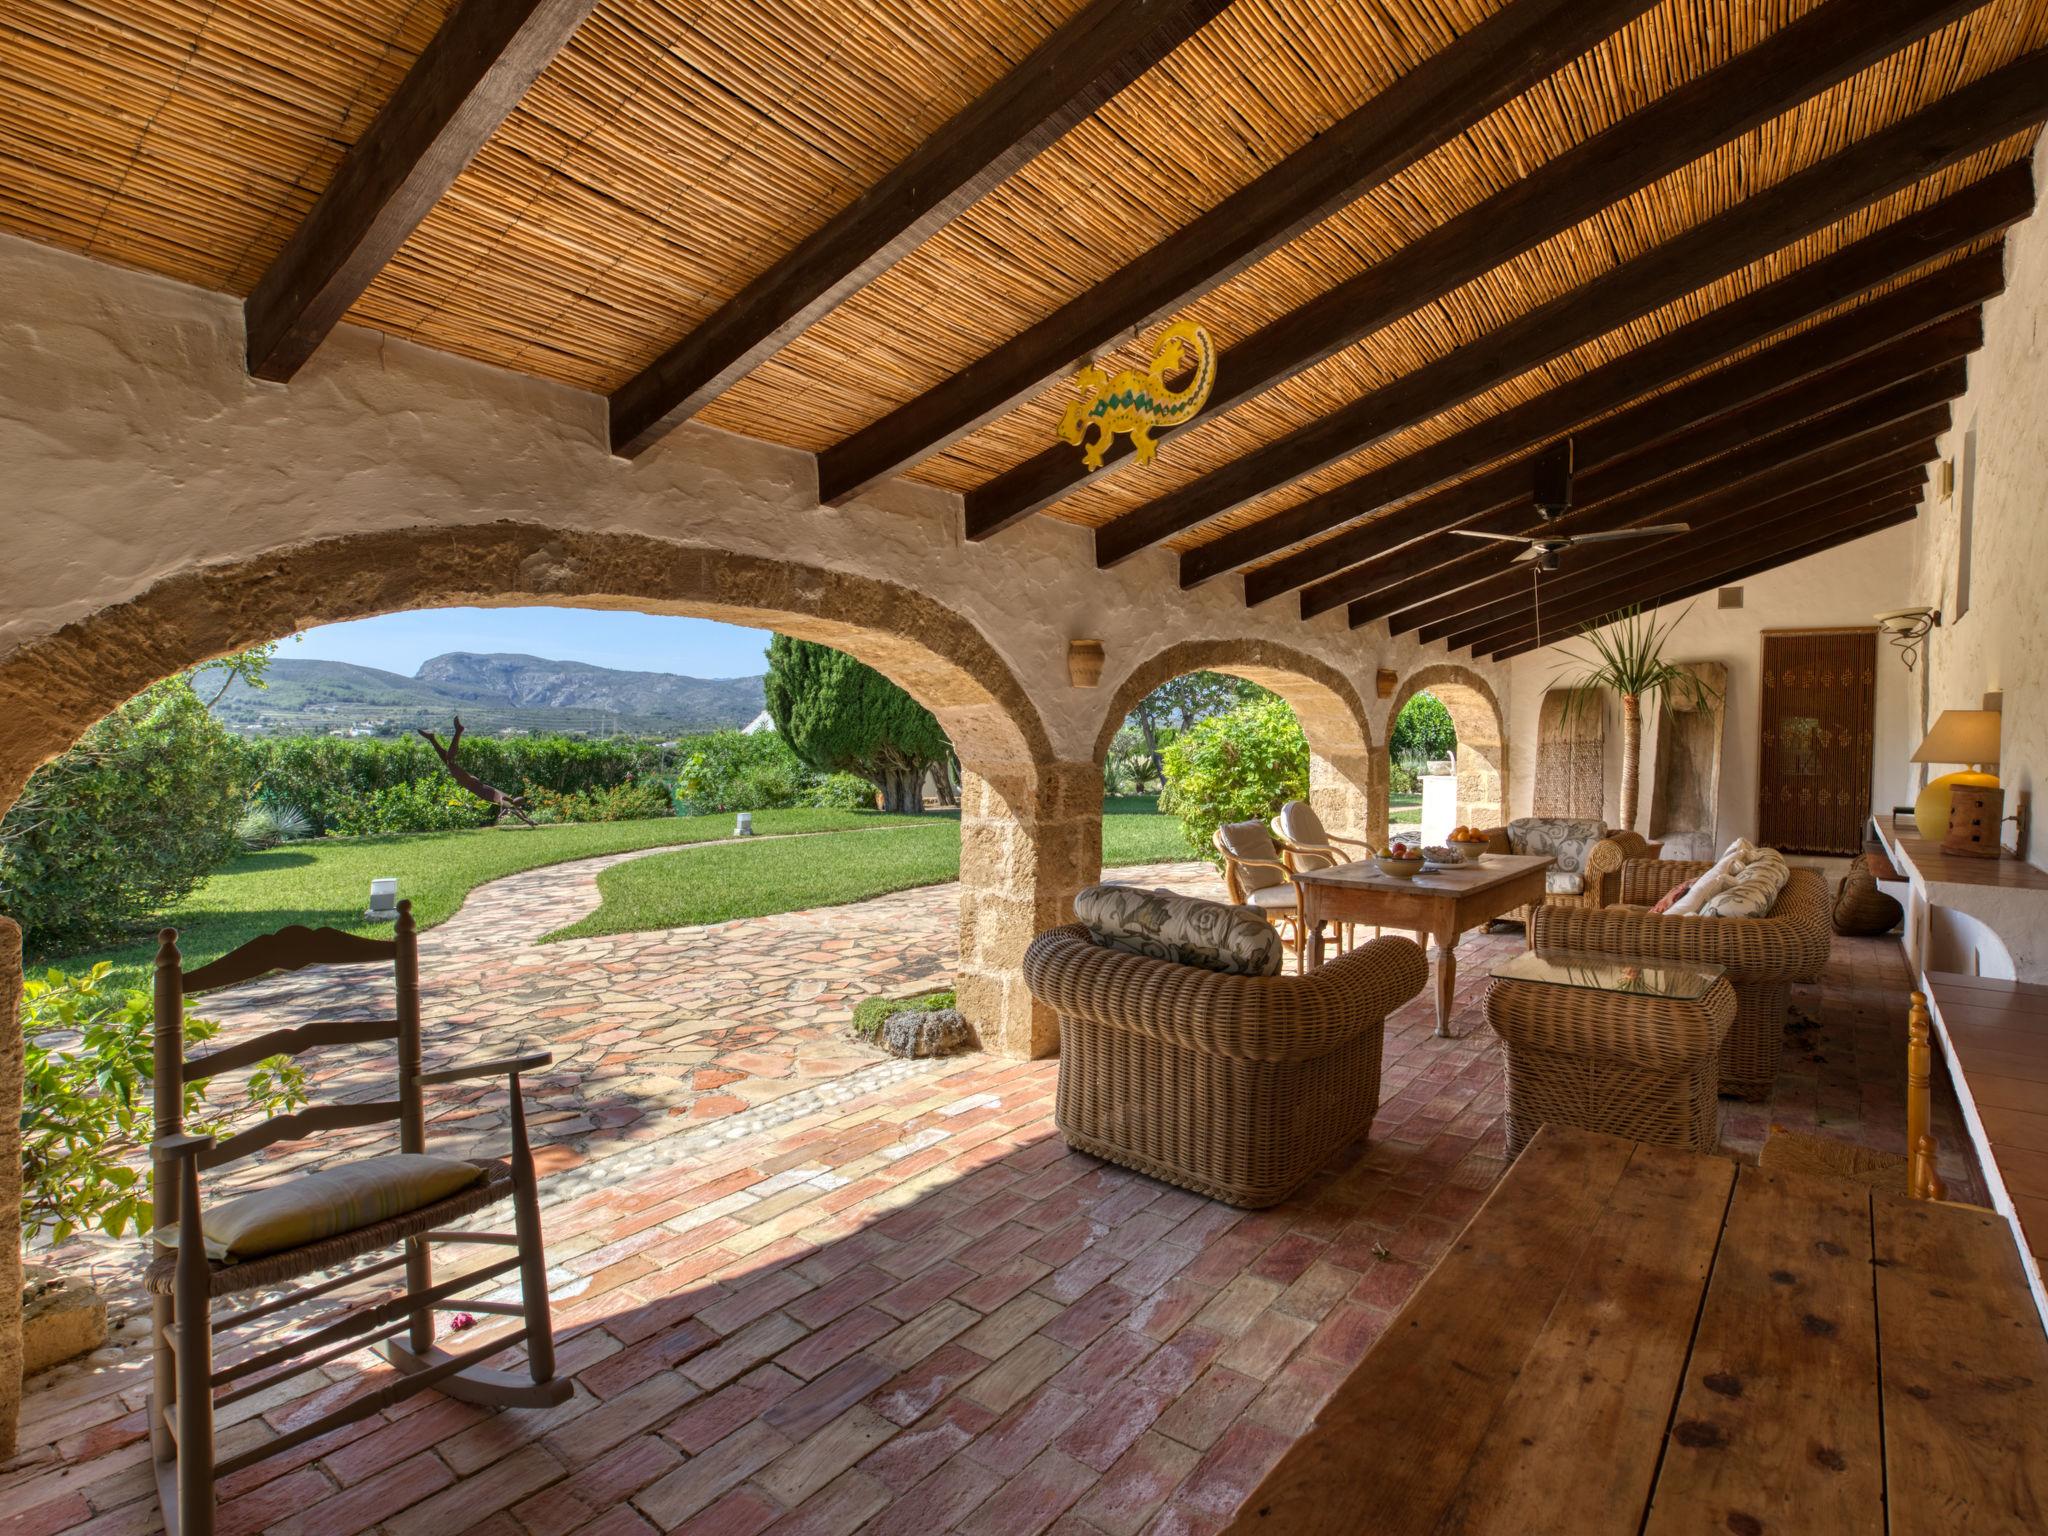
x=1028, y=840
x=1347, y=779
x=1482, y=761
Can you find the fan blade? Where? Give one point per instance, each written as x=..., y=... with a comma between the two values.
x=1502, y=538
x=1535, y=553
x=1658, y=532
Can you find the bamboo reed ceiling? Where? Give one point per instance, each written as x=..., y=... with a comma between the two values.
x=674, y=151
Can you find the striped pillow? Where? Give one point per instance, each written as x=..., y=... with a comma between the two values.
x=309, y=1207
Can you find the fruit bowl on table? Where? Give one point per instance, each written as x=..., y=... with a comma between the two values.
x=1446, y=856
x=1400, y=867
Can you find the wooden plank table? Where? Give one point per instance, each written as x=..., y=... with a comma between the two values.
x=1629, y=1338
x=1441, y=903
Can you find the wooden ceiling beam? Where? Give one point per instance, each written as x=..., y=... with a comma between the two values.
x=1838, y=465
x=464, y=83
x=1403, y=544
x=1956, y=222
x=1792, y=65
x=1086, y=61
x=1609, y=580
x=1724, y=452
x=1709, y=581
x=1759, y=468
x=1973, y=118
x=1440, y=98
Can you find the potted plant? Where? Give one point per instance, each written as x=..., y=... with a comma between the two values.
x=1628, y=660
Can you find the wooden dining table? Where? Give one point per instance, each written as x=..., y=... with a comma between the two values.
x=1441, y=904
x=1630, y=1338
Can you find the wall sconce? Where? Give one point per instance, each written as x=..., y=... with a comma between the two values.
x=1908, y=629
x=1387, y=682
x=1084, y=663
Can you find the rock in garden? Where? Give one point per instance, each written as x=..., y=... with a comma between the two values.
x=61, y=1319
x=926, y=1032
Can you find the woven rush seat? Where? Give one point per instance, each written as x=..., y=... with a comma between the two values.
x=278, y=1268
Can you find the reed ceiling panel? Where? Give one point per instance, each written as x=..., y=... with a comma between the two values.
x=189, y=139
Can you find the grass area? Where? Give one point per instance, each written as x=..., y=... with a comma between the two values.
x=326, y=882
x=717, y=885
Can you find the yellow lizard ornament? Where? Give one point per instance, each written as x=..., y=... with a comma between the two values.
x=1137, y=403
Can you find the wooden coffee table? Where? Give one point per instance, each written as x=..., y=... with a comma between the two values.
x=1440, y=903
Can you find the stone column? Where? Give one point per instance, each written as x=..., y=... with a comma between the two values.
x=1349, y=791
x=1030, y=838
x=10, y=1183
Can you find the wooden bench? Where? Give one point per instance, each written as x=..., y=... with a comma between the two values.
x=1629, y=1338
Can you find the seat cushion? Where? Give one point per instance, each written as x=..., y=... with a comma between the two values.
x=1567, y=840
x=1273, y=898
x=1563, y=882
x=1252, y=840
x=1185, y=930
x=310, y=1207
x=1298, y=823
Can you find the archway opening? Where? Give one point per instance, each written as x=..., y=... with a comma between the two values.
x=1447, y=742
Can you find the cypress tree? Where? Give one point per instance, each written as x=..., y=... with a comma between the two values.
x=841, y=716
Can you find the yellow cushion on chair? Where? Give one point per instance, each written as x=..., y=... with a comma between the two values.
x=309, y=1207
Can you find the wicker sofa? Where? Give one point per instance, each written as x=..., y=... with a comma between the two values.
x=1598, y=882
x=1236, y=1087
x=1763, y=955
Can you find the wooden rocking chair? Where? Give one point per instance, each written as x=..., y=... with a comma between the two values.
x=186, y=1389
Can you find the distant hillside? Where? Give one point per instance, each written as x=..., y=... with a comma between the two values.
x=492, y=693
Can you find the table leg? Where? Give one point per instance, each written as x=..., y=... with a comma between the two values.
x=1446, y=981
x=1311, y=930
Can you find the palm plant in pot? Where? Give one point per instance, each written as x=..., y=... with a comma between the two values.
x=1628, y=660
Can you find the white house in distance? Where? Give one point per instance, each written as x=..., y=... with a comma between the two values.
x=758, y=724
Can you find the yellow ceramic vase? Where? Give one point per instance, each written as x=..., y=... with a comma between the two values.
x=1930, y=809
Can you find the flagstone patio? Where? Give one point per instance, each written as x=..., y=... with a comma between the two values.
x=876, y=1295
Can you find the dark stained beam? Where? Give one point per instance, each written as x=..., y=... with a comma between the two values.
x=1365, y=558
x=1720, y=578
x=1838, y=440
x=1652, y=486
x=1086, y=61
x=1794, y=64
x=461, y=87
x=1434, y=102
x=1957, y=221
x=1839, y=466
x=1610, y=579
x=1970, y=119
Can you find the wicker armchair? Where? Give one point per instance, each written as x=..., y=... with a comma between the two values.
x=1763, y=955
x=1602, y=885
x=1237, y=1087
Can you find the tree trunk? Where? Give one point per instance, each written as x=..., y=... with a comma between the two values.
x=1631, y=757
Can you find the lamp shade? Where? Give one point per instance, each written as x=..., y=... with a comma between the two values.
x=1961, y=736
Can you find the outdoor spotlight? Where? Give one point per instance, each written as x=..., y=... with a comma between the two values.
x=383, y=901
x=743, y=826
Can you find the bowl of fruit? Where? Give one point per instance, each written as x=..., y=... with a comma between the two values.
x=1444, y=856
x=1470, y=841
x=1400, y=861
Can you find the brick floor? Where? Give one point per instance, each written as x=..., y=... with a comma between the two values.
x=912, y=1309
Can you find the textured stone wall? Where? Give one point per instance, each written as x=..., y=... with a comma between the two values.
x=10, y=1184
x=1476, y=716
x=1999, y=643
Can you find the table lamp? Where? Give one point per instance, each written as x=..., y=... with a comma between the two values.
x=1959, y=736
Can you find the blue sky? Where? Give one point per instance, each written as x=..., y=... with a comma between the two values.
x=634, y=642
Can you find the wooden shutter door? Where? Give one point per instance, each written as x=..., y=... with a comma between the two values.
x=1817, y=735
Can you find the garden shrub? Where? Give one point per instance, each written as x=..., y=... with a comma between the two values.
x=622, y=802
x=732, y=771
x=1237, y=766
x=86, y=1112
x=413, y=807
x=124, y=825
x=267, y=823
x=841, y=792
x=1401, y=779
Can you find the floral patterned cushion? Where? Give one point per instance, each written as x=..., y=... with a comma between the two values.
x=1562, y=882
x=1183, y=929
x=1754, y=890
x=1567, y=841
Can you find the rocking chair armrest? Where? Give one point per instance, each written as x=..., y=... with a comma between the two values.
x=175, y=1147
x=504, y=1066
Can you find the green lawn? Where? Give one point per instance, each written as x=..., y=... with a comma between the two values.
x=327, y=881
x=716, y=885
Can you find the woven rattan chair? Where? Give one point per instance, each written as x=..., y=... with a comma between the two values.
x=1763, y=955
x=1256, y=875
x=1237, y=1087
x=1602, y=874
x=187, y=1391
x=1305, y=843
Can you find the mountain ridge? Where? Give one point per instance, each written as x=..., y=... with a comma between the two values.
x=493, y=691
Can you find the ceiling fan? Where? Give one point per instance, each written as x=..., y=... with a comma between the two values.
x=1553, y=493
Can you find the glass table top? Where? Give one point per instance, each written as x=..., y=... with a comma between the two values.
x=1681, y=981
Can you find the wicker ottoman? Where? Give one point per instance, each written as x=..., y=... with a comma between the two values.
x=1608, y=1043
